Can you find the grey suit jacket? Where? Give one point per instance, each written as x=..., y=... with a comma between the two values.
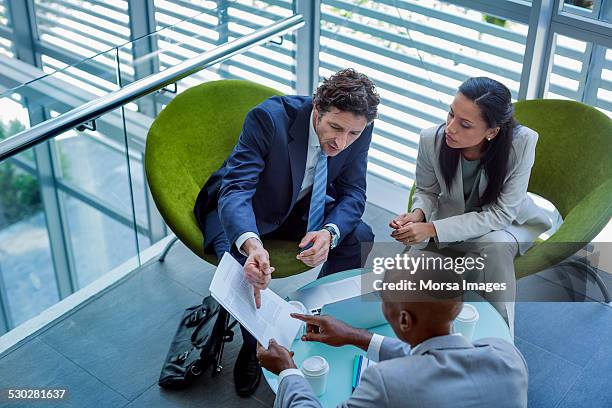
x=514, y=211
x=445, y=371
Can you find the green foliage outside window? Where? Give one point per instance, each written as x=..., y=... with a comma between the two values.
x=494, y=20
x=19, y=193
x=581, y=3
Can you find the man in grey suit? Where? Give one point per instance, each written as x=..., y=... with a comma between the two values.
x=426, y=366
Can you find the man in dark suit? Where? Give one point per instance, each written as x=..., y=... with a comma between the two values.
x=297, y=172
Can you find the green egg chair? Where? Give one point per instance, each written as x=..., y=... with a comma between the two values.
x=572, y=170
x=187, y=142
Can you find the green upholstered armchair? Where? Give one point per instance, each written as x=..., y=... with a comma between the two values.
x=189, y=141
x=573, y=170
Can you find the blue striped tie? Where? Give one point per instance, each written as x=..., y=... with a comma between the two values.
x=317, y=201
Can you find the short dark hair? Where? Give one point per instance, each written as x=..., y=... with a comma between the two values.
x=349, y=91
x=430, y=268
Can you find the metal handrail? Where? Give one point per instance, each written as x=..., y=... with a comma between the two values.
x=98, y=107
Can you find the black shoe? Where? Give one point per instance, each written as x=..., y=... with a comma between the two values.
x=247, y=372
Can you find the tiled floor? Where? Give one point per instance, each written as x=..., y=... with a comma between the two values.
x=109, y=352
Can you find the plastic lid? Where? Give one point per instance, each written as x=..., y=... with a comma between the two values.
x=468, y=313
x=314, y=366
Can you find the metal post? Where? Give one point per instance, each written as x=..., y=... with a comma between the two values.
x=144, y=48
x=26, y=35
x=539, y=49
x=6, y=320
x=25, y=31
x=55, y=214
x=307, y=44
x=223, y=20
x=146, y=62
x=592, y=64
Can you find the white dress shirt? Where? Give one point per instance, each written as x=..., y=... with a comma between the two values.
x=314, y=149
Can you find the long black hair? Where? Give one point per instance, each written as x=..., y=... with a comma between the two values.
x=495, y=103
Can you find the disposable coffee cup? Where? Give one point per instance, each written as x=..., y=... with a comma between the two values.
x=315, y=370
x=302, y=309
x=465, y=323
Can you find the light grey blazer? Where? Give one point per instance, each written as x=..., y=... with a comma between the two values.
x=444, y=371
x=514, y=211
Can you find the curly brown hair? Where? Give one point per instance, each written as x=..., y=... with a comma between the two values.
x=349, y=91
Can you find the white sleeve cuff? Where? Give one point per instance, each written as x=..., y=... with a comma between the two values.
x=335, y=227
x=242, y=239
x=373, y=352
x=288, y=372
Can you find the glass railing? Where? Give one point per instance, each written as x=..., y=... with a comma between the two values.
x=74, y=203
x=108, y=68
x=47, y=92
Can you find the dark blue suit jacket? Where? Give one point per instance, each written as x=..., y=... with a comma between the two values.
x=257, y=186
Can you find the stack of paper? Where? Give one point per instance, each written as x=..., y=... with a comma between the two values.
x=360, y=363
x=272, y=321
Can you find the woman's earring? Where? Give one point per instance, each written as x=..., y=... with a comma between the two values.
x=489, y=138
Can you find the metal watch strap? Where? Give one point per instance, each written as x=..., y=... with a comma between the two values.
x=334, y=237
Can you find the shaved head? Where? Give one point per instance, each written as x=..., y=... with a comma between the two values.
x=428, y=310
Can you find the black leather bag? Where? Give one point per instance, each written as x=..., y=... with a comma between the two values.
x=197, y=344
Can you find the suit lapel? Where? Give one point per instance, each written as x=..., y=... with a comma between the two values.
x=457, y=188
x=298, y=148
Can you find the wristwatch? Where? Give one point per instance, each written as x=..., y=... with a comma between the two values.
x=334, y=236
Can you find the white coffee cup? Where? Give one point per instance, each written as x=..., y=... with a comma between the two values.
x=465, y=323
x=302, y=309
x=315, y=370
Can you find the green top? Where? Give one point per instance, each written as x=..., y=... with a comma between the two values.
x=471, y=171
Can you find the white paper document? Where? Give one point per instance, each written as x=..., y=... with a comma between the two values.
x=316, y=297
x=230, y=288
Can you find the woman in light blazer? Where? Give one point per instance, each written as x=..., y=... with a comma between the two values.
x=472, y=174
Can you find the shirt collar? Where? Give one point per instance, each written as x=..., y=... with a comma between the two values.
x=313, y=139
x=454, y=340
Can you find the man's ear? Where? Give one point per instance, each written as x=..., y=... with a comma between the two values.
x=406, y=322
x=315, y=113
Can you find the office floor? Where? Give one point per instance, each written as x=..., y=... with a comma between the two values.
x=109, y=352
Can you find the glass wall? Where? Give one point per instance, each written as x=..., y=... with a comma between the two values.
x=417, y=54
x=95, y=211
x=69, y=31
x=585, y=8
x=72, y=30
x=5, y=29
x=27, y=273
x=213, y=23
x=94, y=202
x=604, y=90
x=66, y=209
x=92, y=170
x=581, y=71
